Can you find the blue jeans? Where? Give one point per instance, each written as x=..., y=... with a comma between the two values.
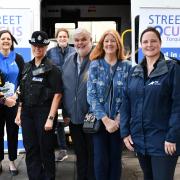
x=107, y=155
x=61, y=137
x=157, y=167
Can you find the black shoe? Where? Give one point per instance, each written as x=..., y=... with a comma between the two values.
x=13, y=172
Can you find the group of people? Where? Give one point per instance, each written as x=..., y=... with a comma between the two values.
x=138, y=106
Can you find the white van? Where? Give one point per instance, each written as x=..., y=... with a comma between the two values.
x=165, y=16
x=21, y=18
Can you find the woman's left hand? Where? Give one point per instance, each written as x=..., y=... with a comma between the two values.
x=170, y=148
x=10, y=102
x=49, y=125
x=111, y=125
x=128, y=142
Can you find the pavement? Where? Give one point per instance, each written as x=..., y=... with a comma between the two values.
x=66, y=170
x=132, y=170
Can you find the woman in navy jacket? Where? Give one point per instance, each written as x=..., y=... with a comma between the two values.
x=150, y=112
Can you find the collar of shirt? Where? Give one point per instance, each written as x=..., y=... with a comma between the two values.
x=144, y=65
x=11, y=55
x=79, y=63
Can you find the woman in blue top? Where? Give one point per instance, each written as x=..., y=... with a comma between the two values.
x=150, y=113
x=11, y=65
x=107, y=59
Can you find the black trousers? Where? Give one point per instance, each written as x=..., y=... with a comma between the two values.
x=157, y=167
x=83, y=148
x=38, y=143
x=7, y=116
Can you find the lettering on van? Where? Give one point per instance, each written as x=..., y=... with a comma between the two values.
x=167, y=25
x=12, y=23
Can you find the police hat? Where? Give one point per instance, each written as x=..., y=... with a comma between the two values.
x=39, y=38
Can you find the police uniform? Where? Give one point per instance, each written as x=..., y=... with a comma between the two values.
x=38, y=87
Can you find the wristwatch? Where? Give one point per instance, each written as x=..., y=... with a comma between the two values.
x=51, y=118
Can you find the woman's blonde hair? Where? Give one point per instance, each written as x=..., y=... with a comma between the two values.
x=98, y=51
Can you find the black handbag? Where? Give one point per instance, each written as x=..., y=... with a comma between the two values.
x=91, y=124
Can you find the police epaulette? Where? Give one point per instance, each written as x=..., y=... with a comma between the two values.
x=26, y=68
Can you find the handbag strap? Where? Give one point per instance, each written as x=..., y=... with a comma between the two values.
x=111, y=82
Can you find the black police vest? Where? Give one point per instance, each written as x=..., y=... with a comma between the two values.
x=34, y=86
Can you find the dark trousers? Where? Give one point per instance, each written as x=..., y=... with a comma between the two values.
x=157, y=167
x=7, y=116
x=83, y=148
x=61, y=137
x=107, y=155
x=38, y=143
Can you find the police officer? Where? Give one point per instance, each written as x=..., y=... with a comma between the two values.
x=40, y=94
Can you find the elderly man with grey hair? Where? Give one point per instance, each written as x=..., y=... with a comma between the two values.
x=75, y=106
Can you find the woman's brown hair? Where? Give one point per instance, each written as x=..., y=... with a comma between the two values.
x=151, y=29
x=13, y=39
x=62, y=29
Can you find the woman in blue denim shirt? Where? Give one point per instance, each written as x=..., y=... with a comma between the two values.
x=107, y=59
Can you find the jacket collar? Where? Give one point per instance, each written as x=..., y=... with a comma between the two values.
x=64, y=50
x=160, y=69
